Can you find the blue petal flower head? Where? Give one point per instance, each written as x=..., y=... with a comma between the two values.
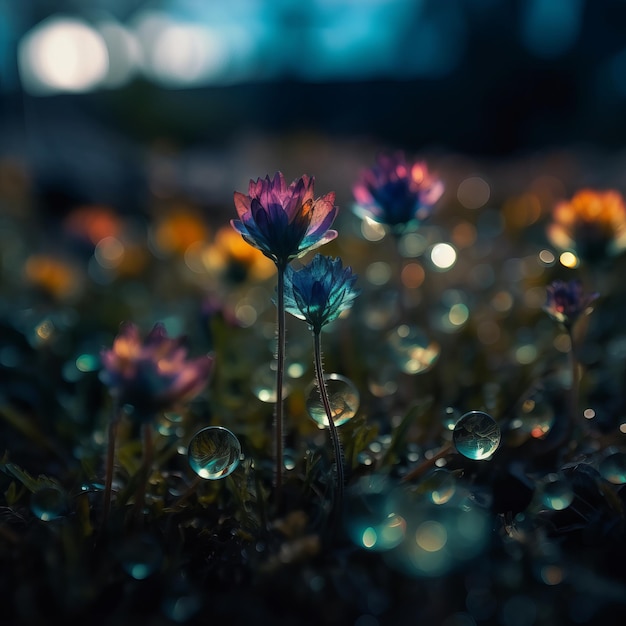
x=566, y=302
x=320, y=291
x=397, y=193
x=284, y=222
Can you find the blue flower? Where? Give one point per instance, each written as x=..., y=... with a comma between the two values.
x=397, y=193
x=566, y=302
x=284, y=222
x=320, y=291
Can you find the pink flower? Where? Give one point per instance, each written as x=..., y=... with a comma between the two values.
x=397, y=193
x=284, y=222
x=566, y=302
x=154, y=375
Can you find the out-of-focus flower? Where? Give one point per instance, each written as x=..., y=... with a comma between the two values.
x=56, y=277
x=284, y=222
x=566, y=301
x=397, y=193
x=174, y=233
x=235, y=259
x=320, y=291
x=153, y=375
x=592, y=223
x=91, y=224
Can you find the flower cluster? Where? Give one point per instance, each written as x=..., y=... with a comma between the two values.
x=153, y=375
x=593, y=223
x=397, y=193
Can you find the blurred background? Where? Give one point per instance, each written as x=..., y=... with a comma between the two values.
x=109, y=100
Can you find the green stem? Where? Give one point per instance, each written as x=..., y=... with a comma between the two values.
x=573, y=394
x=280, y=373
x=146, y=465
x=424, y=466
x=110, y=459
x=400, y=260
x=334, y=434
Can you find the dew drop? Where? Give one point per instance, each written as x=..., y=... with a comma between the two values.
x=383, y=379
x=49, y=503
x=476, y=435
x=439, y=485
x=412, y=350
x=263, y=383
x=450, y=417
x=214, y=453
x=613, y=468
x=140, y=556
x=370, y=521
x=343, y=397
x=535, y=415
x=289, y=459
x=556, y=492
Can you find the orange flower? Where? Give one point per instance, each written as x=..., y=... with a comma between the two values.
x=231, y=249
x=593, y=223
x=58, y=278
x=174, y=233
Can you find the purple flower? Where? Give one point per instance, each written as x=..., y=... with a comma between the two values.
x=320, y=291
x=397, y=193
x=284, y=222
x=566, y=301
x=154, y=375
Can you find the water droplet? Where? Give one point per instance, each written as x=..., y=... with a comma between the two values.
x=476, y=435
x=181, y=607
x=383, y=379
x=412, y=350
x=370, y=521
x=87, y=362
x=365, y=457
x=450, y=417
x=49, y=503
x=263, y=383
x=439, y=485
x=556, y=492
x=140, y=556
x=535, y=416
x=613, y=468
x=174, y=417
x=343, y=396
x=289, y=459
x=214, y=452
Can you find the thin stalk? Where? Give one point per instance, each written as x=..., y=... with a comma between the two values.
x=400, y=260
x=424, y=466
x=187, y=493
x=110, y=460
x=334, y=434
x=575, y=419
x=280, y=373
x=146, y=465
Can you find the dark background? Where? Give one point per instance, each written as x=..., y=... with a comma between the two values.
x=497, y=79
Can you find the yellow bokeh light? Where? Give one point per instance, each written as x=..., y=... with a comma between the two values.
x=569, y=259
x=431, y=536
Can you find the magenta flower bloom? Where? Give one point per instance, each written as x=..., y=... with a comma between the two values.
x=154, y=375
x=284, y=222
x=396, y=193
x=566, y=302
